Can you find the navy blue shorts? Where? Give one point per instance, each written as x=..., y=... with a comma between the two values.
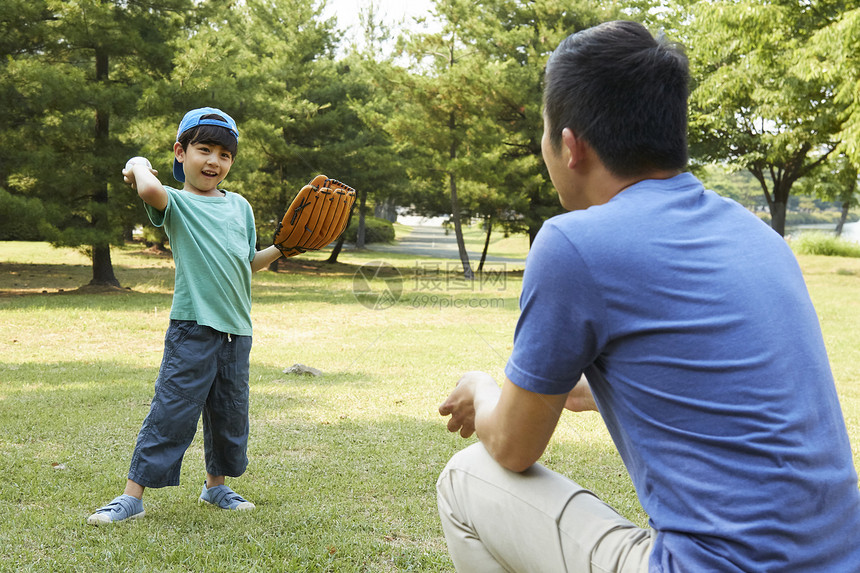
x=203, y=371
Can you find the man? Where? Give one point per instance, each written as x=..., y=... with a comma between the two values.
x=691, y=322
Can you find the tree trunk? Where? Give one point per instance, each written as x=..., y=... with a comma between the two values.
x=102, y=267
x=847, y=197
x=533, y=231
x=533, y=220
x=486, y=243
x=777, y=217
x=359, y=238
x=455, y=202
x=843, y=217
x=458, y=229
x=332, y=258
x=777, y=199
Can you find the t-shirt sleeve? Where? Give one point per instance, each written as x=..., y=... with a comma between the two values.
x=157, y=217
x=252, y=231
x=561, y=320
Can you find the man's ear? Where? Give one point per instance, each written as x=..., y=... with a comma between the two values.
x=178, y=152
x=574, y=145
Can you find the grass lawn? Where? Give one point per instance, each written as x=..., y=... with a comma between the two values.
x=343, y=466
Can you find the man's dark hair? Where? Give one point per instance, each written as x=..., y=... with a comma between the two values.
x=623, y=92
x=211, y=134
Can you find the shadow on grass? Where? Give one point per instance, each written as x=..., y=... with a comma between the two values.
x=51, y=276
x=115, y=301
x=298, y=281
x=18, y=279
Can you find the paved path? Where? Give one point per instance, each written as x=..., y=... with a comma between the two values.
x=431, y=241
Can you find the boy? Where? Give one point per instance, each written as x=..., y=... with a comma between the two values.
x=207, y=344
x=691, y=321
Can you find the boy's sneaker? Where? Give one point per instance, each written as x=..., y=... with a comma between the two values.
x=121, y=508
x=225, y=498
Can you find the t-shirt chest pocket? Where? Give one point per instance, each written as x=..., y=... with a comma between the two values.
x=236, y=240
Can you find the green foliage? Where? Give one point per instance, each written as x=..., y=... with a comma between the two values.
x=471, y=115
x=812, y=243
x=300, y=110
x=90, y=83
x=749, y=106
x=517, y=38
x=152, y=235
x=834, y=181
x=739, y=185
x=375, y=231
x=831, y=55
x=20, y=217
x=87, y=84
x=70, y=76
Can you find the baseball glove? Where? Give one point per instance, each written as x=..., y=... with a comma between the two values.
x=316, y=217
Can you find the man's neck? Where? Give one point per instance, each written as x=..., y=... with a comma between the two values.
x=620, y=184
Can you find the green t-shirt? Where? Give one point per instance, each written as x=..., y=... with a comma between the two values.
x=213, y=240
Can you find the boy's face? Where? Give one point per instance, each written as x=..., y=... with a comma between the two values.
x=205, y=165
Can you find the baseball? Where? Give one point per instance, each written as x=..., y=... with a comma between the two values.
x=136, y=160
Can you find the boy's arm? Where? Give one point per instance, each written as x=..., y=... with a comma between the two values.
x=149, y=188
x=265, y=258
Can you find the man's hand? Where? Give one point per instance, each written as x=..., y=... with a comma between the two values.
x=514, y=424
x=460, y=404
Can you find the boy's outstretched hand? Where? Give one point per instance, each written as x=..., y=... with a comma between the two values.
x=128, y=173
x=140, y=175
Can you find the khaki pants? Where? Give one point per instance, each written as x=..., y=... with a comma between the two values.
x=536, y=521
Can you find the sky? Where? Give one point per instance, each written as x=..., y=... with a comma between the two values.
x=393, y=12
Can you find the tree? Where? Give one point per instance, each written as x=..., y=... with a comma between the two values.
x=444, y=94
x=72, y=74
x=835, y=181
x=301, y=111
x=515, y=39
x=749, y=106
x=370, y=162
x=831, y=56
x=847, y=196
x=473, y=121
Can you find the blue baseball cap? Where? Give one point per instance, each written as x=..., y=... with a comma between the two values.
x=193, y=119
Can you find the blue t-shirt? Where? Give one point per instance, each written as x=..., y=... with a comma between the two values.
x=692, y=322
x=213, y=240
